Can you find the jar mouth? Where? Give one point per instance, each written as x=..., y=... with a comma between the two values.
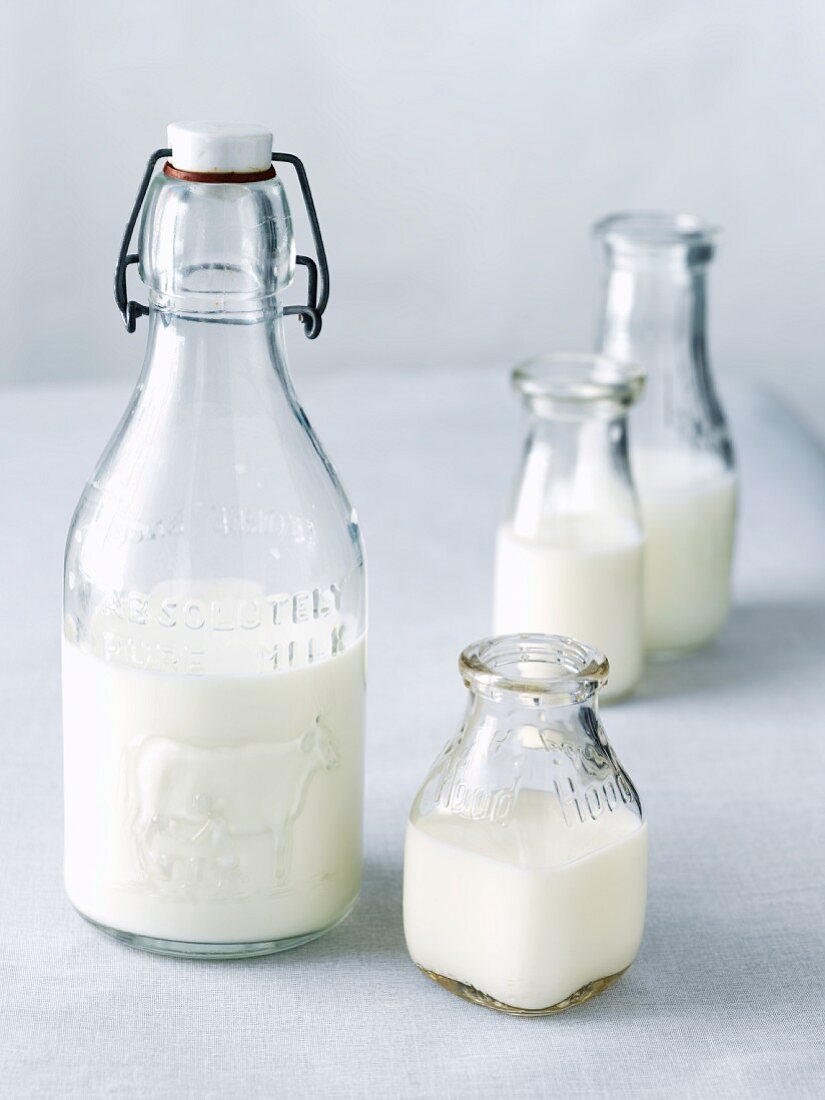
x=544, y=666
x=657, y=231
x=575, y=378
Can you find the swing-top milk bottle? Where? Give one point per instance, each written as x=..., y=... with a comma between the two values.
x=214, y=603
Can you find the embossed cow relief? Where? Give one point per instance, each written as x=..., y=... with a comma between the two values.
x=218, y=821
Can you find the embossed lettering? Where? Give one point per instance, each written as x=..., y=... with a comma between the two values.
x=151, y=656
x=194, y=615
x=279, y=605
x=577, y=804
x=167, y=616
x=568, y=800
x=138, y=608
x=249, y=614
x=302, y=607
x=593, y=799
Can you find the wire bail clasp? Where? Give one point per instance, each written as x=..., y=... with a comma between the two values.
x=311, y=313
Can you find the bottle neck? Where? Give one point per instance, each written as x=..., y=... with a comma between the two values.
x=576, y=470
x=533, y=700
x=238, y=366
x=654, y=313
x=492, y=718
x=219, y=251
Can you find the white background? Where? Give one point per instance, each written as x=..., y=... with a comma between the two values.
x=458, y=151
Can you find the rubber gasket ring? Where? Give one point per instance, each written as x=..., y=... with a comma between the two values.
x=218, y=177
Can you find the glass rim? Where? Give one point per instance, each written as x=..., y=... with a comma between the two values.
x=654, y=230
x=489, y=664
x=578, y=378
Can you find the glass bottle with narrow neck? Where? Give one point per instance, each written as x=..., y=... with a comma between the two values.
x=569, y=553
x=526, y=852
x=653, y=313
x=214, y=611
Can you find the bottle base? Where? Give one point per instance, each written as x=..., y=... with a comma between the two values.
x=183, y=949
x=469, y=993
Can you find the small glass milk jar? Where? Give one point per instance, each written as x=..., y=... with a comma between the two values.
x=525, y=869
x=569, y=554
x=653, y=313
x=214, y=610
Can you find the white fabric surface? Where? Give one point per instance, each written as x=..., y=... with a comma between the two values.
x=726, y=999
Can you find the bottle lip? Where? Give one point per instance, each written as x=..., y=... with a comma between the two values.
x=578, y=378
x=549, y=667
x=657, y=231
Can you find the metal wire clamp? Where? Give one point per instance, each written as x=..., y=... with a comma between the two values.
x=317, y=272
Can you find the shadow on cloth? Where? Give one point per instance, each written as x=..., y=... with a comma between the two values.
x=762, y=642
x=374, y=927
x=727, y=937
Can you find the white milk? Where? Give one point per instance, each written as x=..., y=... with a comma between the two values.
x=211, y=808
x=689, y=509
x=580, y=576
x=526, y=925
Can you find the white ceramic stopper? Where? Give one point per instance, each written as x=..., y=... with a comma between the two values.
x=219, y=147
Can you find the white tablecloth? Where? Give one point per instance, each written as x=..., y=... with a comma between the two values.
x=726, y=998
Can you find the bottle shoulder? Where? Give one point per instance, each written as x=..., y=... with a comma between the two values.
x=529, y=795
x=213, y=493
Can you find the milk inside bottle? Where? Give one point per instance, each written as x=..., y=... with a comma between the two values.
x=457, y=871
x=689, y=513
x=654, y=313
x=214, y=604
x=525, y=861
x=569, y=556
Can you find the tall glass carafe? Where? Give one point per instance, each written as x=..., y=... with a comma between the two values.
x=214, y=600
x=653, y=313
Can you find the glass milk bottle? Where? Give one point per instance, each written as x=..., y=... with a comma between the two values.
x=569, y=554
x=525, y=866
x=653, y=313
x=214, y=600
